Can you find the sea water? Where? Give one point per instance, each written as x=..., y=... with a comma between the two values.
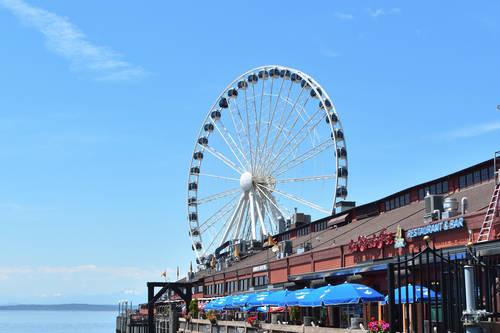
x=42, y=321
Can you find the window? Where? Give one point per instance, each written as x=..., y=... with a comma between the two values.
x=407, y=198
x=260, y=280
x=303, y=231
x=439, y=188
x=427, y=190
x=200, y=288
x=285, y=236
x=484, y=174
x=387, y=206
x=469, y=179
x=461, y=181
x=320, y=226
x=477, y=176
x=445, y=186
x=491, y=172
x=433, y=189
x=421, y=194
x=392, y=203
x=396, y=202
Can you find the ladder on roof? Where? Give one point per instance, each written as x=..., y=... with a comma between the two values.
x=491, y=212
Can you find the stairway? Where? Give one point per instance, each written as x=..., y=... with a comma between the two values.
x=491, y=212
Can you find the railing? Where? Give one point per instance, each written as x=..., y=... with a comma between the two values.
x=205, y=326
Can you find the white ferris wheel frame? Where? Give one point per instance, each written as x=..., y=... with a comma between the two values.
x=273, y=208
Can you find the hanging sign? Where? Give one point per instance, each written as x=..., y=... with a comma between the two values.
x=436, y=227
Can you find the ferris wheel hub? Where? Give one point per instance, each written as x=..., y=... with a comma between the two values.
x=246, y=181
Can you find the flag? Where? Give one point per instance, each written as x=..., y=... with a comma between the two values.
x=213, y=262
x=164, y=274
x=191, y=267
x=271, y=242
x=178, y=273
x=236, y=253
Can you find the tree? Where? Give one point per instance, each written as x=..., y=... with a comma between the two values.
x=193, y=308
x=295, y=314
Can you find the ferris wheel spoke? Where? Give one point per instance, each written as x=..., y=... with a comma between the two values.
x=283, y=160
x=257, y=126
x=227, y=143
x=270, y=117
x=232, y=219
x=218, y=195
x=285, y=142
x=237, y=127
x=283, y=124
x=252, y=156
x=216, y=176
x=271, y=200
x=216, y=215
x=238, y=148
x=281, y=169
x=222, y=158
x=272, y=222
x=302, y=201
x=305, y=179
x=216, y=237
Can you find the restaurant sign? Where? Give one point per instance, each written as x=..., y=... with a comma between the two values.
x=436, y=227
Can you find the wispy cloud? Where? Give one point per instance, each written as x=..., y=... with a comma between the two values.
x=67, y=40
x=327, y=52
x=381, y=12
x=343, y=16
x=471, y=131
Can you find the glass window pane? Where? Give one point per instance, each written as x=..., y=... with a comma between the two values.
x=462, y=181
x=387, y=207
x=439, y=188
x=491, y=172
x=396, y=202
x=484, y=174
x=407, y=198
x=477, y=176
x=433, y=189
x=469, y=179
x=445, y=186
x=421, y=194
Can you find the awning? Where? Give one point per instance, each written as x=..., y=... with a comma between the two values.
x=337, y=220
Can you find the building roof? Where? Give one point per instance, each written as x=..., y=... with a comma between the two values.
x=407, y=217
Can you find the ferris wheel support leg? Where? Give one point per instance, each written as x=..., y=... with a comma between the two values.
x=259, y=213
x=240, y=219
x=252, y=214
x=233, y=217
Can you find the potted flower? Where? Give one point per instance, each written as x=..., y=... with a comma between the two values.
x=212, y=318
x=377, y=325
x=254, y=321
x=187, y=317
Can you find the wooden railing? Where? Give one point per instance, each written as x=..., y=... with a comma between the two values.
x=205, y=326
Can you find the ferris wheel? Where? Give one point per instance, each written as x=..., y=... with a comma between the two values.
x=272, y=141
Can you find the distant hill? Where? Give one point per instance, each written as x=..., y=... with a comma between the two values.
x=60, y=307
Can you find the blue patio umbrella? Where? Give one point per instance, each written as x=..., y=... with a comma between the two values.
x=421, y=293
x=277, y=298
x=241, y=300
x=257, y=299
x=345, y=293
x=295, y=297
x=220, y=303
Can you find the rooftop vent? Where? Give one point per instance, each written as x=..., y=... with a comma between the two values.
x=432, y=203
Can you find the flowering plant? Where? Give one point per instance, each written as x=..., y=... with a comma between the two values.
x=377, y=325
x=187, y=317
x=212, y=318
x=253, y=321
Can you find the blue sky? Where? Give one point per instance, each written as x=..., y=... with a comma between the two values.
x=102, y=101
